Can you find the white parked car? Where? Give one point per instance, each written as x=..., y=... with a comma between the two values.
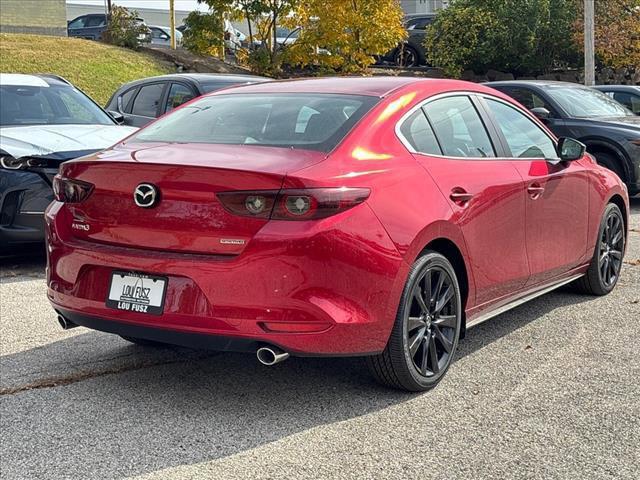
x=44, y=121
x=161, y=36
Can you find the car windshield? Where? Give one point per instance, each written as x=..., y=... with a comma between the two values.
x=51, y=105
x=305, y=121
x=586, y=102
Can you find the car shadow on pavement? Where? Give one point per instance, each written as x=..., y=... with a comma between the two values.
x=119, y=410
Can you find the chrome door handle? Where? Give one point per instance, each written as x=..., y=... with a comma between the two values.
x=535, y=190
x=460, y=196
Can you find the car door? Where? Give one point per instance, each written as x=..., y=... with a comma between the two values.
x=76, y=26
x=147, y=104
x=557, y=193
x=485, y=192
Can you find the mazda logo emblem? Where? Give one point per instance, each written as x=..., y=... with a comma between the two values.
x=146, y=195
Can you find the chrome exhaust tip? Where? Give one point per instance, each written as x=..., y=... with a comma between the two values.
x=65, y=324
x=271, y=355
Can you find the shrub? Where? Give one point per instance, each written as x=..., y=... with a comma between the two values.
x=124, y=29
x=521, y=37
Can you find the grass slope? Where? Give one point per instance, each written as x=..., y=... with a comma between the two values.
x=96, y=68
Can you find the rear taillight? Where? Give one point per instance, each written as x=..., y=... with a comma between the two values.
x=290, y=204
x=70, y=191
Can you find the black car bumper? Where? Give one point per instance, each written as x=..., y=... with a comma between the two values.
x=24, y=196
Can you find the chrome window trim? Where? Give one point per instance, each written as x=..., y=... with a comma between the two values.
x=463, y=93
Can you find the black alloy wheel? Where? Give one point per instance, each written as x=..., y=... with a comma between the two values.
x=425, y=334
x=606, y=263
x=611, y=247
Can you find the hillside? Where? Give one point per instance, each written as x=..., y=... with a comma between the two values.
x=96, y=68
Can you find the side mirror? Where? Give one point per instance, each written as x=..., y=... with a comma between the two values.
x=542, y=113
x=117, y=116
x=164, y=36
x=570, y=149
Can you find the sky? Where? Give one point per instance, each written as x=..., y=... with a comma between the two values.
x=187, y=5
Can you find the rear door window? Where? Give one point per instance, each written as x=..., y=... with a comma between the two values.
x=148, y=99
x=418, y=133
x=459, y=128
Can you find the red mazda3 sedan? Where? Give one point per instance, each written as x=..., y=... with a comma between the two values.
x=379, y=217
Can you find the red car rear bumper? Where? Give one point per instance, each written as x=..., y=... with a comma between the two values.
x=314, y=288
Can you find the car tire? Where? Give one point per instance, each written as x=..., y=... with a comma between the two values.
x=406, y=56
x=606, y=263
x=143, y=342
x=425, y=333
x=609, y=161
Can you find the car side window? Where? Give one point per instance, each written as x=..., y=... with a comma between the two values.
x=178, y=94
x=78, y=23
x=147, y=100
x=125, y=100
x=459, y=128
x=528, y=98
x=417, y=131
x=97, y=21
x=524, y=137
x=632, y=102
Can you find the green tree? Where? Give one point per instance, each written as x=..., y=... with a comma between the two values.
x=204, y=34
x=518, y=36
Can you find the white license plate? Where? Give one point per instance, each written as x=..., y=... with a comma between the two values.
x=137, y=292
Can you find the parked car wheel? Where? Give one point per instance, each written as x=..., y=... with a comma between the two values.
x=425, y=335
x=606, y=263
x=406, y=56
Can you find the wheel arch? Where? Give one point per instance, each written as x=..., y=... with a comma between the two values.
x=619, y=201
x=598, y=145
x=453, y=253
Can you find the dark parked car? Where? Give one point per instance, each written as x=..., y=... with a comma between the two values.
x=44, y=121
x=144, y=100
x=609, y=130
x=93, y=25
x=627, y=95
x=89, y=26
x=411, y=52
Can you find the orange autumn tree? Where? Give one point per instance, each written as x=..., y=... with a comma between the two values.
x=344, y=35
x=617, y=32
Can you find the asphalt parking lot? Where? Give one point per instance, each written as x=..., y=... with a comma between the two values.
x=548, y=390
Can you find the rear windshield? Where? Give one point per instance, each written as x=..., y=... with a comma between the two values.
x=304, y=121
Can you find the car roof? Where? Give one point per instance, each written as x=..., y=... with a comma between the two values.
x=31, y=80
x=536, y=83
x=369, y=86
x=618, y=88
x=199, y=78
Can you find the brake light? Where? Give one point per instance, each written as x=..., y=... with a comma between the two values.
x=293, y=204
x=70, y=191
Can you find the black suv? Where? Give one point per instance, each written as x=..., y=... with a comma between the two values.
x=610, y=131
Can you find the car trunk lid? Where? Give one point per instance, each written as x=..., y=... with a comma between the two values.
x=186, y=216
